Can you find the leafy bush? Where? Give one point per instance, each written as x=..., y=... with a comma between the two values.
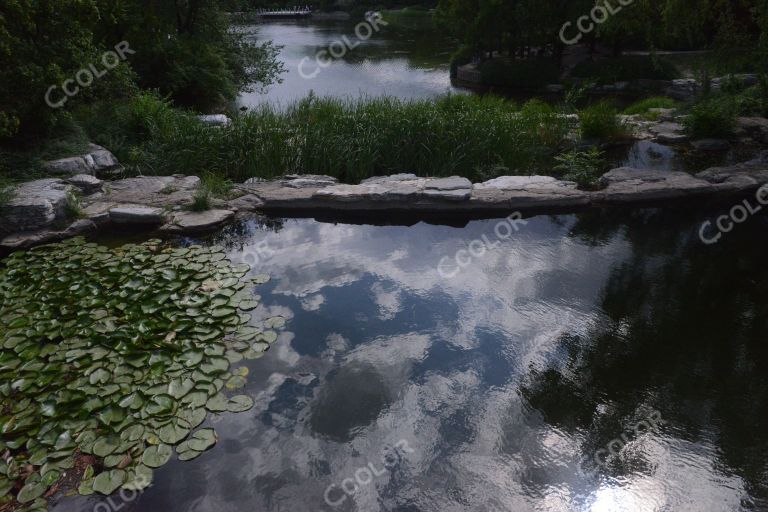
x=712, y=118
x=643, y=107
x=522, y=74
x=583, y=167
x=601, y=121
x=626, y=68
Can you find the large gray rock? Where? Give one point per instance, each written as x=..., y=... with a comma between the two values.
x=35, y=205
x=669, y=132
x=518, y=192
x=395, y=178
x=103, y=161
x=137, y=215
x=69, y=166
x=198, y=222
x=753, y=127
x=628, y=185
x=87, y=183
x=454, y=188
x=160, y=191
x=27, y=239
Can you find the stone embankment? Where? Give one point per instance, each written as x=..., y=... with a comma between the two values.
x=79, y=201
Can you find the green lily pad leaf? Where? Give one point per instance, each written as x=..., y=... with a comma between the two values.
x=139, y=478
x=105, y=446
x=217, y=403
x=156, y=456
x=51, y=477
x=235, y=382
x=239, y=403
x=248, y=304
x=31, y=492
x=198, y=443
x=276, y=322
x=260, y=279
x=109, y=481
x=172, y=433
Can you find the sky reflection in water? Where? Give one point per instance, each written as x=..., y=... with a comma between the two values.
x=505, y=380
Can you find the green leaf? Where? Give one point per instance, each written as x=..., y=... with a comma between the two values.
x=156, y=456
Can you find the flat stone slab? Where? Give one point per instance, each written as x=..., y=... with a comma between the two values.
x=714, y=145
x=87, y=183
x=308, y=181
x=452, y=183
x=35, y=205
x=158, y=191
x=137, y=215
x=628, y=185
x=197, y=222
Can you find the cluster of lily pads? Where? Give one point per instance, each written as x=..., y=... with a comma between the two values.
x=116, y=356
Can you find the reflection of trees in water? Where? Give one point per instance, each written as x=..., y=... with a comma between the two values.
x=235, y=236
x=683, y=331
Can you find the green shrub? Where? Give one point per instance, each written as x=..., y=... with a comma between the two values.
x=643, y=107
x=600, y=121
x=583, y=167
x=712, y=118
x=522, y=74
x=626, y=68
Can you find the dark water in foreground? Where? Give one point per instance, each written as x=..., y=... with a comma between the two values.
x=608, y=337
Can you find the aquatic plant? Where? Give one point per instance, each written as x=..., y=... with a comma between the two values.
x=583, y=167
x=600, y=121
x=110, y=358
x=348, y=139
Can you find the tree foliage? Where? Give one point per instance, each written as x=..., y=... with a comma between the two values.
x=185, y=49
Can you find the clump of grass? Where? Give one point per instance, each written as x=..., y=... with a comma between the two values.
x=583, y=167
x=201, y=200
x=712, y=118
x=600, y=121
x=643, y=107
x=349, y=139
x=73, y=208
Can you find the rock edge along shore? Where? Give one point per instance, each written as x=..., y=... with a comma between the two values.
x=38, y=212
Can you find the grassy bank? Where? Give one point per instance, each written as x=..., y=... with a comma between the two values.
x=470, y=136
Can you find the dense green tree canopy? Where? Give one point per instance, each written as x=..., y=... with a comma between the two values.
x=184, y=49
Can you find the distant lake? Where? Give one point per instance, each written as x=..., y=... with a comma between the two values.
x=399, y=63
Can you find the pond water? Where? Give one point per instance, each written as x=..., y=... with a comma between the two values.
x=591, y=362
x=399, y=63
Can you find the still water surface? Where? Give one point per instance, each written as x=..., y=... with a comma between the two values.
x=400, y=63
x=505, y=380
